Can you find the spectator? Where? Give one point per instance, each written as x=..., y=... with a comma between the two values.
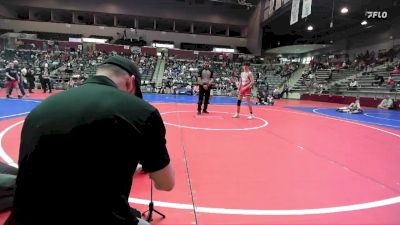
x=285, y=90
x=391, y=83
x=276, y=93
x=368, y=70
x=344, y=65
x=45, y=79
x=396, y=71
x=22, y=79
x=270, y=100
x=353, y=85
x=378, y=79
x=12, y=80
x=386, y=103
x=330, y=75
x=30, y=78
x=323, y=89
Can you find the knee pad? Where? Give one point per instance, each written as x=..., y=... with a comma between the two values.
x=239, y=102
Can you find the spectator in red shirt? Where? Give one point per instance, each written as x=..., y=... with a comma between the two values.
x=396, y=70
x=391, y=84
x=390, y=81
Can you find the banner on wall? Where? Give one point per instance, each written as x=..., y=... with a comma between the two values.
x=135, y=49
x=89, y=47
x=271, y=7
x=266, y=14
x=278, y=4
x=306, y=8
x=294, y=17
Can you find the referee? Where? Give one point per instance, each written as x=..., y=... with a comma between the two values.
x=80, y=149
x=204, y=80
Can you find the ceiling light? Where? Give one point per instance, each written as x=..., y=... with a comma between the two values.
x=364, y=22
x=344, y=10
x=310, y=28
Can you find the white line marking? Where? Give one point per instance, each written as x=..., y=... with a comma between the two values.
x=25, y=100
x=289, y=212
x=215, y=129
x=368, y=114
x=3, y=154
x=18, y=114
x=301, y=147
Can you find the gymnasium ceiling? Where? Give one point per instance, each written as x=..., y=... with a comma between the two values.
x=278, y=32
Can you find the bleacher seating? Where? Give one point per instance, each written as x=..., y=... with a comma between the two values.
x=322, y=78
x=183, y=73
x=366, y=86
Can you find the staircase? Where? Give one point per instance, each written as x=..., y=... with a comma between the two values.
x=295, y=77
x=159, y=73
x=293, y=80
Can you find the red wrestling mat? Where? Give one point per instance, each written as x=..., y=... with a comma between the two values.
x=283, y=167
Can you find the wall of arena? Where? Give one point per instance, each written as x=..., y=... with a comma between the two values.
x=254, y=30
x=148, y=35
x=365, y=101
x=6, y=12
x=167, y=10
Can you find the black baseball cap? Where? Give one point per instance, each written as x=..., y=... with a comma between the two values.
x=129, y=67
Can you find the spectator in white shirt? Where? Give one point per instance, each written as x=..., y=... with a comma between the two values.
x=353, y=85
x=386, y=103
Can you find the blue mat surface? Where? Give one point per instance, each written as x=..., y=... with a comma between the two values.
x=385, y=118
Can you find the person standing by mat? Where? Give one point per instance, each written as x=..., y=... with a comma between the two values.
x=45, y=78
x=205, y=80
x=12, y=77
x=246, y=82
x=80, y=148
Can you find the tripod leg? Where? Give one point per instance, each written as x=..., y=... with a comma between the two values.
x=163, y=216
x=150, y=216
x=151, y=206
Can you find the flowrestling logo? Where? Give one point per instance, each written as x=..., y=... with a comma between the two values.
x=376, y=14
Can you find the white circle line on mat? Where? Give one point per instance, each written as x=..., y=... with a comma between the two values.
x=265, y=123
x=377, y=117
